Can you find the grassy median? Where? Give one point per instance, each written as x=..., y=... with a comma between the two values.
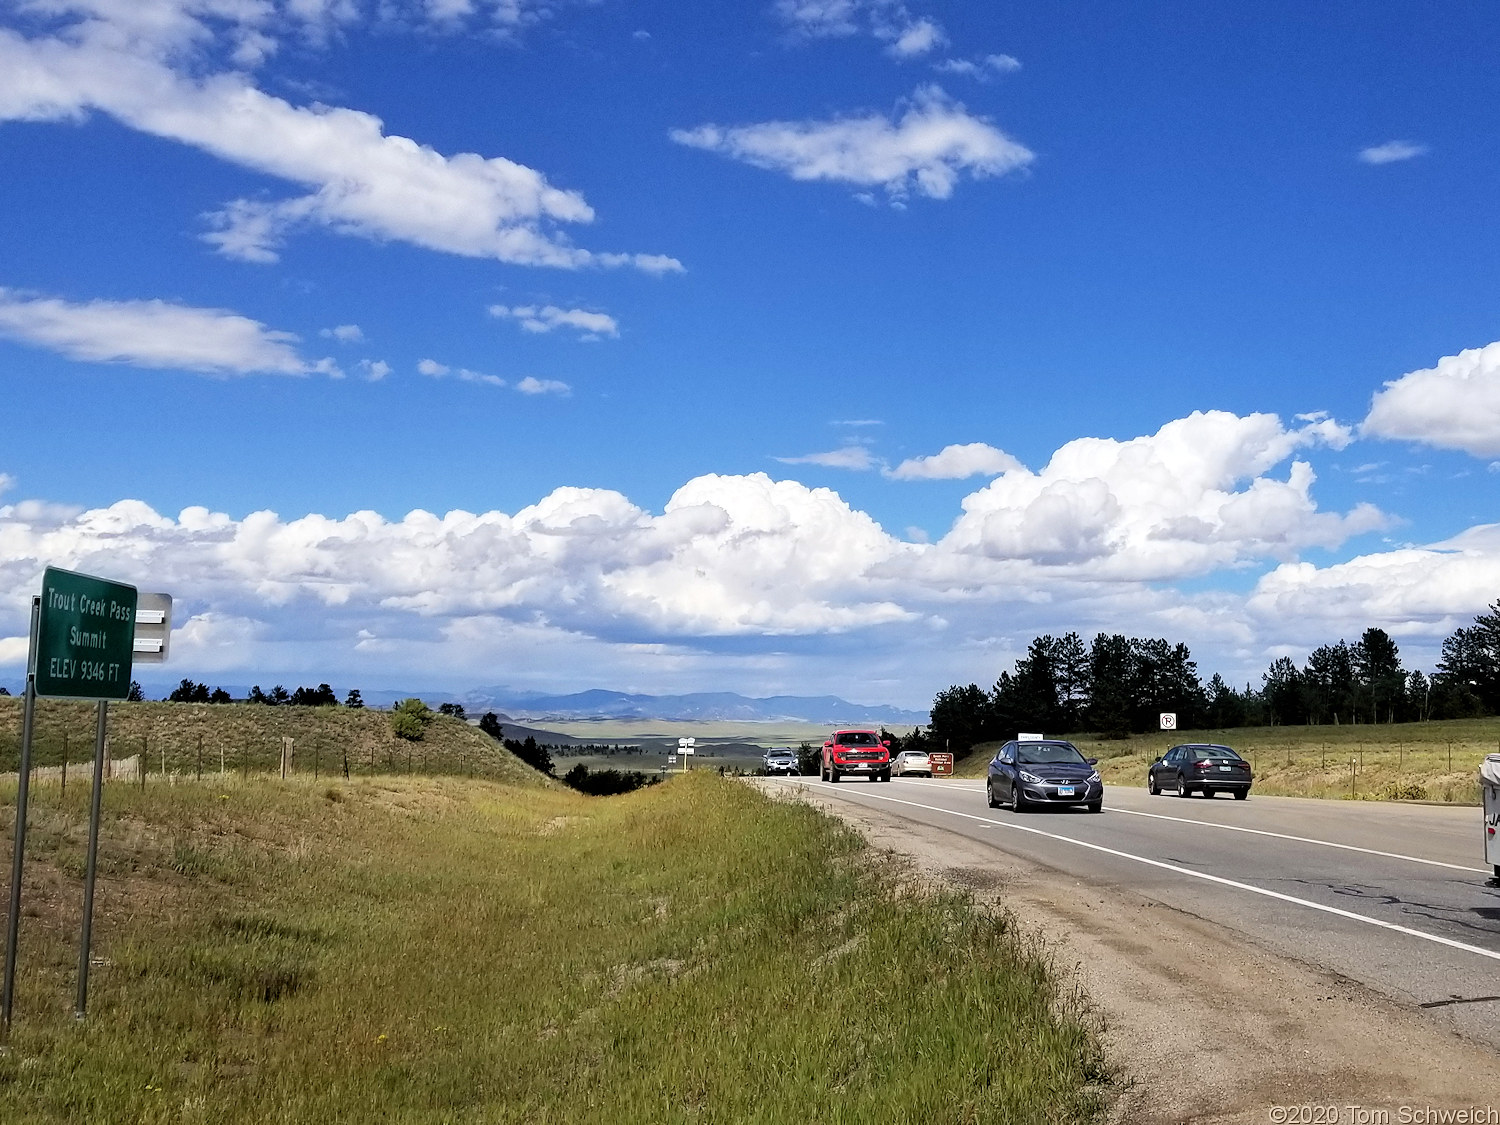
x=449, y=950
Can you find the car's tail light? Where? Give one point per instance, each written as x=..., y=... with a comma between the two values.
x=1203, y=765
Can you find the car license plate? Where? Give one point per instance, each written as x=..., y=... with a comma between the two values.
x=1224, y=769
x=1064, y=790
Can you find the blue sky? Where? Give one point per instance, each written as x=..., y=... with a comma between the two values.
x=807, y=345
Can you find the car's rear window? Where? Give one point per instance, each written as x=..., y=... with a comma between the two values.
x=1203, y=753
x=857, y=738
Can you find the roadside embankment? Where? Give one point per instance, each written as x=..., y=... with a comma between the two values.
x=392, y=948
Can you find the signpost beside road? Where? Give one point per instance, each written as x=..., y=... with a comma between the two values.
x=685, y=747
x=84, y=638
x=153, y=628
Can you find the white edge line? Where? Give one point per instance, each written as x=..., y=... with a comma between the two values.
x=1491, y=954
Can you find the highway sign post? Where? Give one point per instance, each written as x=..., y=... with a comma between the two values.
x=18, y=852
x=1169, y=720
x=685, y=747
x=153, y=628
x=84, y=639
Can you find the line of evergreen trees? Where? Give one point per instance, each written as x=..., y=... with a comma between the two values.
x=321, y=696
x=1118, y=685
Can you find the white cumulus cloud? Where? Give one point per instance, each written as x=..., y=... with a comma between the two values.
x=435, y=370
x=727, y=556
x=152, y=68
x=981, y=69
x=955, y=462
x=1454, y=405
x=913, y=39
x=855, y=457
x=890, y=21
x=1391, y=152
x=154, y=334
x=590, y=325
x=588, y=580
x=531, y=385
x=932, y=144
x=1407, y=589
x=1191, y=498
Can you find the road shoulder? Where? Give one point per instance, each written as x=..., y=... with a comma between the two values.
x=1204, y=1025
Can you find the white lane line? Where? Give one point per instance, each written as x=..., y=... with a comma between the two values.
x=1449, y=942
x=1300, y=839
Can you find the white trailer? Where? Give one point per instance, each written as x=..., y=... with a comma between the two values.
x=1489, y=782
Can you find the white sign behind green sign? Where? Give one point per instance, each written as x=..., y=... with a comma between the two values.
x=85, y=638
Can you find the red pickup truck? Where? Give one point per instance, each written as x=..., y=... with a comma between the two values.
x=855, y=751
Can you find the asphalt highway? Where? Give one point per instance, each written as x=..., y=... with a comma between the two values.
x=1392, y=896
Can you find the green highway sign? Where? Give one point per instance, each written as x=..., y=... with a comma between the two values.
x=85, y=637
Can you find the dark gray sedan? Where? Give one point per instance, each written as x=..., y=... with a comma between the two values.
x=1029, y=774
x=1199, y=767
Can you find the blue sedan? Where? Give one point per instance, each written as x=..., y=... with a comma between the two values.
x=1027, y=774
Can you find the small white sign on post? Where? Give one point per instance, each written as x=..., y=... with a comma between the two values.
x=1169, y=720
x=153, y=628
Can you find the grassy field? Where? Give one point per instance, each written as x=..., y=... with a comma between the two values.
x=409, y=949
x=245, y=738
x=1414, y=761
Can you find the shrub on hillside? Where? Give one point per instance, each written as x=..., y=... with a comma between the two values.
x=409, y=719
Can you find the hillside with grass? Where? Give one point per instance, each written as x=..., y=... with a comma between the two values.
x=206, y=739
x=446, y=949
x=1434, y=761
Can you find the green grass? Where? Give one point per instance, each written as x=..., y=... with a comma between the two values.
x=246, y=738
x=1423, y=761
x=402, y=949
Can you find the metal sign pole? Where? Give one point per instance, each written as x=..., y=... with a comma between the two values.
x=18, y=854
x=80, y=1005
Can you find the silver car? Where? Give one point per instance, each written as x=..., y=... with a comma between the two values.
x=911, y=762
x=781, y=760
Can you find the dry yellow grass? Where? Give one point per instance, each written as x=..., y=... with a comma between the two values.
x=241, y=738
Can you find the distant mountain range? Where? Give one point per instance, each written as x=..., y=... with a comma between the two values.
x=696, y=707
x=532, y=707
